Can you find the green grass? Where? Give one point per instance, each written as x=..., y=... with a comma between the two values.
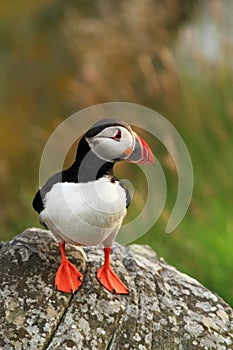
x=202, y=245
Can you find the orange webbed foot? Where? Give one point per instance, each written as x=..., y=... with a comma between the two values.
x=68, y=278
x=110, y=281
x=108, y=278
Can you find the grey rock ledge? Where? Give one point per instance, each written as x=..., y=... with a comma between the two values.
x=166, y=309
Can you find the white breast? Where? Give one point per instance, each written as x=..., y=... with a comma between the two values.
x=85, y=213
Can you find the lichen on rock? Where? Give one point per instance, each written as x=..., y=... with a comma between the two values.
x=165, y=309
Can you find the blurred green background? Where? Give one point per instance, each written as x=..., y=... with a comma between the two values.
x=57, y=57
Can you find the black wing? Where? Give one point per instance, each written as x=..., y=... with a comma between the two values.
x=67, y=175
x=38, y=201
x=128, y=197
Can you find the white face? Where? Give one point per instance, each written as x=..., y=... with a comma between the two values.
x=111, y=142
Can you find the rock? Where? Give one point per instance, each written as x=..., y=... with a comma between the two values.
x=166, y=309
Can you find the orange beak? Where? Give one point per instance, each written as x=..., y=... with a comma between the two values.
x=141, y=153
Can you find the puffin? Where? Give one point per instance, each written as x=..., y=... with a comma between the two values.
x=85, y=204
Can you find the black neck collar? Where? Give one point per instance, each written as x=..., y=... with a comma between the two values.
x=87, y=166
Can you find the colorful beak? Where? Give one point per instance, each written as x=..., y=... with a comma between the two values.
x=141, y=152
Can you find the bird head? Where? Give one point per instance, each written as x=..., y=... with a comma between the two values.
x=113, y=140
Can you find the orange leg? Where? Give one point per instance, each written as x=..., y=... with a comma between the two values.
x=68, y=279
x=108, y=278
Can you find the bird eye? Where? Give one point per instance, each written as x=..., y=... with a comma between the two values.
x=117, y=136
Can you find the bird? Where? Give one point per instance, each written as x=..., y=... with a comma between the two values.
x=85, y=204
